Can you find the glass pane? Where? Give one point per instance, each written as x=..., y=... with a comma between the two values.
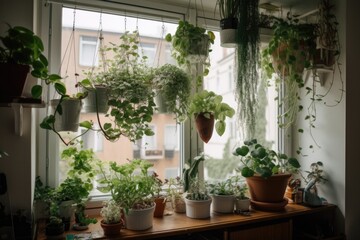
x=221, y=162
x=166, y=163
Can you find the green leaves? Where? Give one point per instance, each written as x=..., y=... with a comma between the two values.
x=242, y=151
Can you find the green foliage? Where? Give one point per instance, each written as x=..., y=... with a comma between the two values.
x=191, y=44
x=22, y=46
x=316, y=172
x=41, y=192
x=287, y=54
x=257, y=159
x=226, y=187
x=81, y=218
x=130, y=184
x=195, y=188
x=130, y=96
x=228, y=8
x=210, y=103
x=247, y=65
x=175, y=86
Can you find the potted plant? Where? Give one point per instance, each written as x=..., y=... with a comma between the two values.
x=313, y=178
x=132, y=187
x=20, y=53
x=288, y=54
x=42, y=198
x=97, y=97
x=131, y=97
x=242, y=202
x=81, y=219
x=112, y=221
x=223, y=196
x=191, y=44
x=207, y=107
x=54, y=227
x=159, y=198
x=267, y=174
x=229, y=10
x=173, y=95
x=197, y=199
x=175, y=191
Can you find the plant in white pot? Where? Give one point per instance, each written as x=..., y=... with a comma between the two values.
x=267, y=174
x=229, y=10
x=197, y=199
x=223, y=196
x=133, y=188
x=242, y=201
x=175, y=192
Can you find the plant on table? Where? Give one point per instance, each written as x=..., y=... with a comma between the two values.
x=175, y=191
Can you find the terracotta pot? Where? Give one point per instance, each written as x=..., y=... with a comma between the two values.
x=111, y=229
x=205, y=126
x=269, y=190
x=13, y=78
x=159, y=207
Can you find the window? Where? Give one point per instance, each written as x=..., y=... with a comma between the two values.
x=149, y=50
x=221, y=162
x=171, y=138
x=88, y=51
x=93, y=139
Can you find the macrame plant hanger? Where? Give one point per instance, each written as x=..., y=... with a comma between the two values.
x=60, y=88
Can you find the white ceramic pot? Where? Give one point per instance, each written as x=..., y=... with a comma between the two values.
x=97, y=99
x=223, y=203
x=198, y=208
x=228, y=38
x=242, y=205
x=69, y=119
x=139, y=219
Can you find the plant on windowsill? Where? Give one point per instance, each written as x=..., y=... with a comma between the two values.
x=21, y=52
x=229, y=10
x=131, y=97
x=55, y=225
x=133, y=188
x=267, y=174
x=197, y=199
x=207, y=107
x=175, y=191
x=191, y=44
x=222, y=194
x=159, y=198
x=242, y=202
x=112, y=221
x=173, y=91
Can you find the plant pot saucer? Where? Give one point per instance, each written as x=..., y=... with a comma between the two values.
x=272, y=207
x=78, y=227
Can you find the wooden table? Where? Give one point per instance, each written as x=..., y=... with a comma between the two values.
x=259, y=225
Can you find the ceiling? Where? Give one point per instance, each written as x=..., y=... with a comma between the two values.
x=296, y=6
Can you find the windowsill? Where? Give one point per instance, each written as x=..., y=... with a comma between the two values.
x=178, y=224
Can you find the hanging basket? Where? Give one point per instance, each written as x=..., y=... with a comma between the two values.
x=205, y=126
x=69, y=119
x=228, y=32
x=199, y=50
x=96, y=100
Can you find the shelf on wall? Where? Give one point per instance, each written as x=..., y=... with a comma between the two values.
x=320, y=71
x=18, y=104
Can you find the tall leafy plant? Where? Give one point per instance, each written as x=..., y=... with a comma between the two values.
x=247, y=64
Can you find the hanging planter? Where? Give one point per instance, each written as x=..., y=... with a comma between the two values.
x=96, y=100
x=207, y=107
x=205, y=125
x=68, y=119
x=229, y=10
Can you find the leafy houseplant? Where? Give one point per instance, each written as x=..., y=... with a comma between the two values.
x=208, y=107
x=130, y=97
x=112, y=218
x=197, y=199
x=266, y=174
x=175, y=191
x=174, y=87
x=229, y=10
x=222, y=194
x=191, y=44
x=287, y=54
x=133, y=189
x=22, y=51
x=242, y=202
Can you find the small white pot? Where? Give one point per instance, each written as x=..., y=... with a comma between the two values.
x=69, y=119
x=139, y=219
x=66, y=209
x=223, y=203
x=198, y=208
x=242, y=205
x=228, y=38
x=97, y=99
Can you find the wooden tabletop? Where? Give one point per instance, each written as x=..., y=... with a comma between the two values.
x=178, y=224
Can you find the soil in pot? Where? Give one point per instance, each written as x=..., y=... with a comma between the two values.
x=205, y=126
